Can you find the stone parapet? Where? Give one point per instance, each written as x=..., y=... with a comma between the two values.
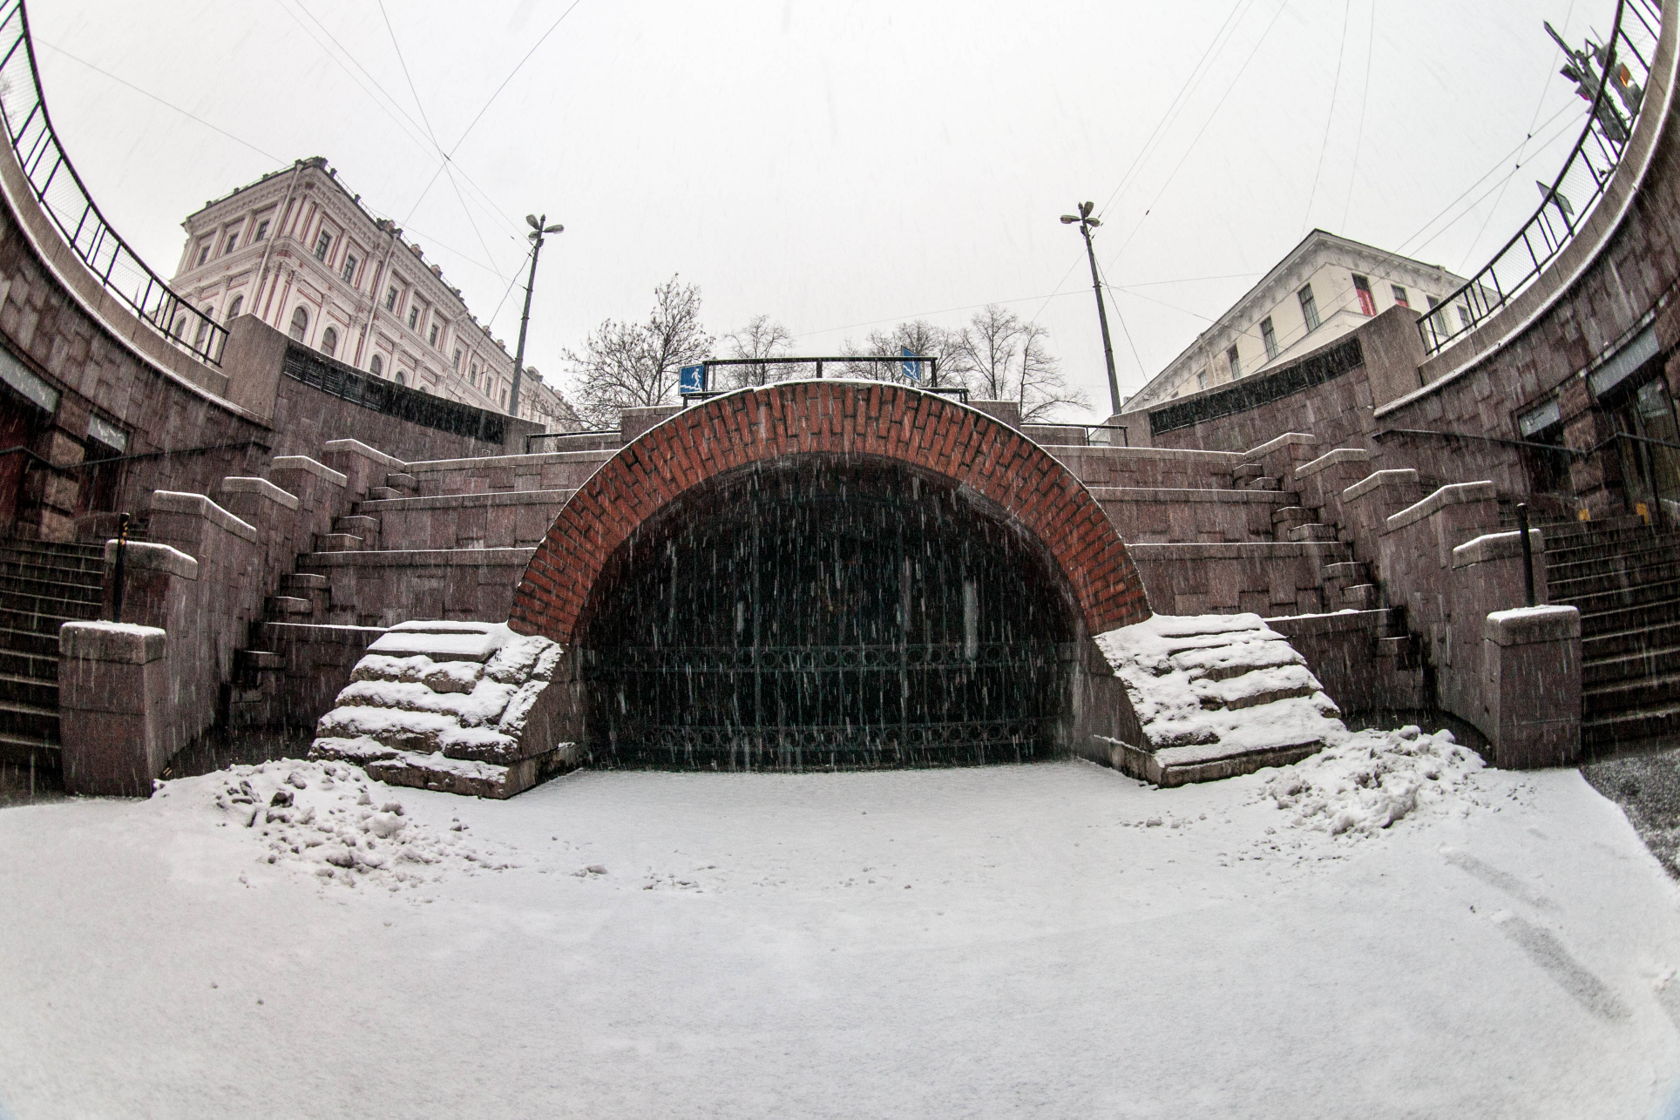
x=114, y=715
x=1531, y=685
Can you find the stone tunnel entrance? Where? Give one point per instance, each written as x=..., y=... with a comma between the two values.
x=822, y=611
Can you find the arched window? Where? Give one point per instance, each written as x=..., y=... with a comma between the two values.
x=377, y=366
x=235, y=307
x=329, y=341
x=204, y=326
x=401, y=380
x=300, y=325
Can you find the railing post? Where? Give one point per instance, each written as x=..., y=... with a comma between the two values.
x=1527, y=553
x=122, y=548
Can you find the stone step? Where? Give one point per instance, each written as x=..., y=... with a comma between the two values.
x=33, y=691
x=1264, y=482
x=1361, y=597
x=287, y=606
x=259, y=660
x=1643, y=595
x=48, y=587
x=30, y=642
x=357, y=524
x=36, y=566
x=71, y=553
x=29, y=751
x=1569, y=531
x=1311, y=531
x=1646, y=662
x=37, y=621
x=1401, y=650
x=406, y=483
x=1619, y=540
x=337, y=542
x=30, y=721
x=1613, y=579
x=1247, y=472
x=383, y=493
x=1608, y=698
x=1285, y=516
x=1347, y=572
x=1604, y=646
x=1631, y=729
x=40, y=666
x=304, y=581
x=1592, y=561
x=1621, y=619
x=48, y=604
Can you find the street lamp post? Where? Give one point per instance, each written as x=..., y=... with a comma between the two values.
x=1086, y=225
x=538, y=229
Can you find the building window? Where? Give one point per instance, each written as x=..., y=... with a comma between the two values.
x=457, y=361
x=377, y=366
x=1235, y=362
x=431, y=336
x=1201, y=379
x=1309, y=307
x=414, y=318
x=1268, y=338
x=262, y=231
x=391, y=299
x=472, y=375
x=235, y=307
x=1463, y=317
x=204, y=253
x=401, y=380
x=349, y=273
x=329, y=341
x=300, y=325
x=232, y=243
x=1367, y=301
x=322, y=244
x=1399, y=296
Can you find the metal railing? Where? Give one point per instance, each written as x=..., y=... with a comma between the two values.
x=875, y=367
x=1621, y=68
x=64, y=198
x=337, y=379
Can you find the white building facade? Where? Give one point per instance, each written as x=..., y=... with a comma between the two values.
x=1326, y=287
x=298, y=250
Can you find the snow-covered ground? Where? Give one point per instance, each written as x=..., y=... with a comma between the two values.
x=1052, y=940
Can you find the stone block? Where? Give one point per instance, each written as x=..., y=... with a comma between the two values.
x=1532, y=686
x=116, y=709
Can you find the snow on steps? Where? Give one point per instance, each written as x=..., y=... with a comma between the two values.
x=1215, y=696
x=447, y=706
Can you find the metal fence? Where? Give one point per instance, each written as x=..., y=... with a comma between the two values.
x=65, y=199
x=416, y=407
x=1617, y=73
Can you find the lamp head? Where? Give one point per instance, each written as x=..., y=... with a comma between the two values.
x=533, y=221
x=1068, y=219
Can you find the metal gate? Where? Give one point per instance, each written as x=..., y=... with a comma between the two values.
x=849, y=617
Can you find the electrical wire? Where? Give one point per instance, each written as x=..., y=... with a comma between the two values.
x=1330, y=117
x=1364, y=101
x=56, y=49
x=516, y=68
x=1197, y=138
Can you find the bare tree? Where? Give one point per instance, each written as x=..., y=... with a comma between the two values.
x=626, y=365
x=762, y=337
x=987, y=348
x=1040, y=388
x=917, y=336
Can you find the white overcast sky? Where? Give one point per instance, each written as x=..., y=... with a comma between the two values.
x=838, y=166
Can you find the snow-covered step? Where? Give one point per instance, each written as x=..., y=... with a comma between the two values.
x=449, y=706
x=1214, y=696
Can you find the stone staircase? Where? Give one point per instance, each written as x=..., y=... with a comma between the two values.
x=1624, y=577
x=42, y=586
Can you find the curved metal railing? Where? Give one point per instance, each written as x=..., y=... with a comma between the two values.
x=1616, y=74
x=64, y=198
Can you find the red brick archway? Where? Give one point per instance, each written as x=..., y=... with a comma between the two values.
x=920, y=429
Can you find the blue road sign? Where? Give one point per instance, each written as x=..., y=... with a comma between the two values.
x=691, y=379
x=912, y=369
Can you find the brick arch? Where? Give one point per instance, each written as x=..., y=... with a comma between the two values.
x=920, y=429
